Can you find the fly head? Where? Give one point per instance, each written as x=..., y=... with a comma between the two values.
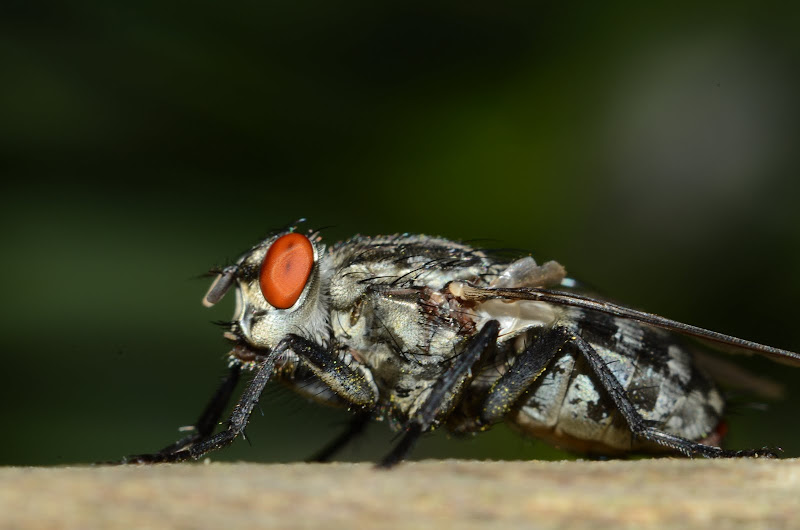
x=280, y=290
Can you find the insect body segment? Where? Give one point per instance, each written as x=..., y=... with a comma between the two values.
x=428, y=332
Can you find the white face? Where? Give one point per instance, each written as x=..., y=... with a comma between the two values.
x=279, y=290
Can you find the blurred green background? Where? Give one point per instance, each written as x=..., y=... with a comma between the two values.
x=652, y=151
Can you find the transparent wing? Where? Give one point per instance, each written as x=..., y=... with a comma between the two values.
x=714, y=339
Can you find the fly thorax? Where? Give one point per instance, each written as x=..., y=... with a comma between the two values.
x=348, y=286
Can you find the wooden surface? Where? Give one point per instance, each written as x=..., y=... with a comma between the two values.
x=667, y=493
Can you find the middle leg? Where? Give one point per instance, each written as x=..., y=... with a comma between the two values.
x=445, y=392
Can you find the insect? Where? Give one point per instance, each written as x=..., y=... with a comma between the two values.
x=425, y=332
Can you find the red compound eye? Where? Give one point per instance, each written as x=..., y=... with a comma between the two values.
x=286, y=269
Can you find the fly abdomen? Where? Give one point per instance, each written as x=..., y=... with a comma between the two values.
x=570, y=406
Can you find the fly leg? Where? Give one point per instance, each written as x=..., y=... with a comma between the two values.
x=646, y=429
x=527, y=368
x=345, y=381
x=208, y=420
x=205, y=424
x=445, y=392
x=532, y=362
x=236, y=424
x=355, y=428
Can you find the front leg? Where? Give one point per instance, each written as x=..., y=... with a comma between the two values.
x=236, y=424
x=208, y=420
x=445, y=391
x=348, y=383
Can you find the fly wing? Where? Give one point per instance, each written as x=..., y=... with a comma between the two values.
x=735, y=377
x=714, y=339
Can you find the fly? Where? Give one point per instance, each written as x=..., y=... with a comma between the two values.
x=424, y=332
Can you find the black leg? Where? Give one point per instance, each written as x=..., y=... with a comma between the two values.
x=236, y=424
x=342, y=379
x=355, y=428
x=445, y=392
x=347, y=382
x=403, y=447
x=643, y=428
x=208, y=420
x=527, y=368
x=530, y=364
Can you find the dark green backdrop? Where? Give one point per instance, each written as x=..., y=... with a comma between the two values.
x=651, y=151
